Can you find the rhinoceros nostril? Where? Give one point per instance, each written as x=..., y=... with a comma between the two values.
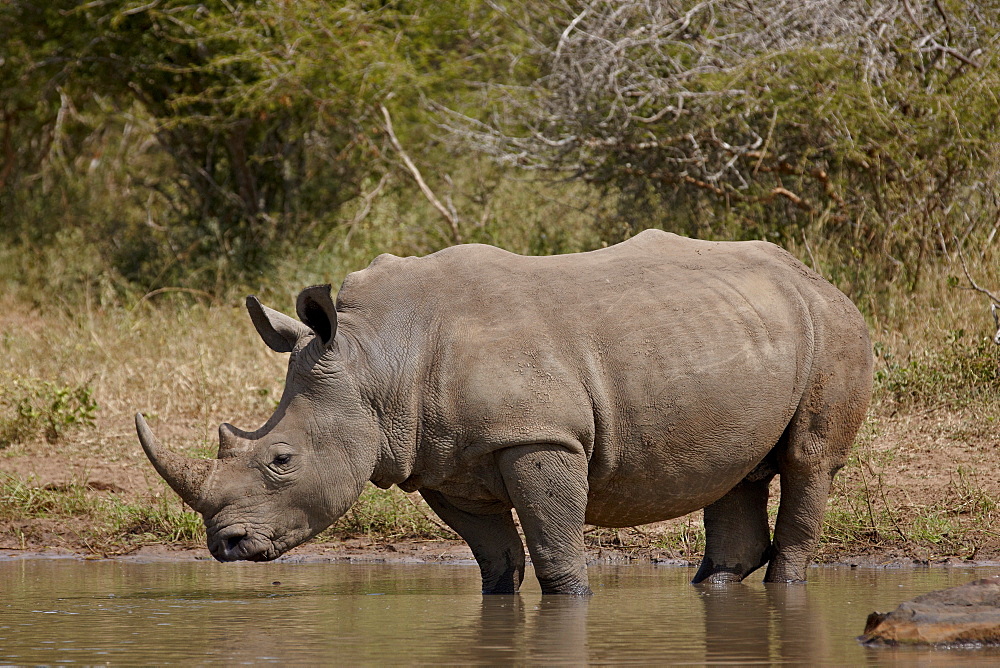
x=233, y=542
x=229, y=543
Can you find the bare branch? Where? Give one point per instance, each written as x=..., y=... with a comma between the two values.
x=366, y=207
x=996, y=321
x=954, y=53
x=994, y=306
x=569, y=29
x=450, y=218
x=975, y=286
x=791, y=197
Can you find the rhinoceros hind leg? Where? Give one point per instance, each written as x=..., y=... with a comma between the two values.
x=547, y=485
x=494, y=541
x=799, y=523
x=737, y=535
x=819, y=442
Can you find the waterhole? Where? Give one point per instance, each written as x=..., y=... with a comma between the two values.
x=62, y=611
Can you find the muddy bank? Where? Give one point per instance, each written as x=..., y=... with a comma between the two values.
x=362, y=550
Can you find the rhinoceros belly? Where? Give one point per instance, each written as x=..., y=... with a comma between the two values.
x=678, y=471
x=671, y=438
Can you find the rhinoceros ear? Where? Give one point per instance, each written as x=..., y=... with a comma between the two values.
x=315, y=308
x=279, y=332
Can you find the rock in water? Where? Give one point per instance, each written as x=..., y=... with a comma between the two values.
x=964, y=615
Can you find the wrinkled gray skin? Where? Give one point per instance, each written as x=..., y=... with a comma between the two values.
x=617, y=387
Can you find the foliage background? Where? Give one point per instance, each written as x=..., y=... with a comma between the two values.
x=216, y=146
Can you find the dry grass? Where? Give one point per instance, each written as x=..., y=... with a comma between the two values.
x=187, y=368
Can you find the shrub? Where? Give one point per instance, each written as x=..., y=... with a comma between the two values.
x=29, y=406
x=963, y=371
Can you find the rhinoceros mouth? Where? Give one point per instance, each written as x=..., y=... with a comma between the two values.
x=240, y=543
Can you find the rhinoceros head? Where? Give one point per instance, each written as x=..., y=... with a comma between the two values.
x=271, y=489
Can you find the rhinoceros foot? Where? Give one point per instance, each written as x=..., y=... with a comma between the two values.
x=961, y=616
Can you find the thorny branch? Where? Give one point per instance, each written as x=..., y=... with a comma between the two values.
x=625, y=89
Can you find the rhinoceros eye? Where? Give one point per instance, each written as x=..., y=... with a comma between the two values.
x=283, y=460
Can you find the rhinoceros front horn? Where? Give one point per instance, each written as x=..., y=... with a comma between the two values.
x=185, y=475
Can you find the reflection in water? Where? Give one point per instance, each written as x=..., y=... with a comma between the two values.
x=736, y=617
x=551, y=630
x=496, y=638
x=801, y=629
x=768, y=622
x=560, y=630
x=65, y=611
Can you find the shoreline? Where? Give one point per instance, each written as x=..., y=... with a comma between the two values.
x=454, y=553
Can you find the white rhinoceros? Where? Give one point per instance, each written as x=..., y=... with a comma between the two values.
x=617, y=387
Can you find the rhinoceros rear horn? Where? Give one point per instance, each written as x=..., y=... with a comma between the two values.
x=232, y=441
x=279, y=332
x=316, y=309
x=188, y=477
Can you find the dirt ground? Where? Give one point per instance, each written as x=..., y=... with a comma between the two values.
x=922, y=487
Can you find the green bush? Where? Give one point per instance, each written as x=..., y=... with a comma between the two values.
x=198, y=143
x=29, y=406
x=964, y=370
x=867, y=132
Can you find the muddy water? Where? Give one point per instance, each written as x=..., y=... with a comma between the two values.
x=68, y=611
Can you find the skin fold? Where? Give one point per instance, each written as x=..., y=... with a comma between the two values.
x=618, y=387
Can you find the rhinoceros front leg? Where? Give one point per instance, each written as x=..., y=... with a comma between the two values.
x=547, y=485
x=493, y=539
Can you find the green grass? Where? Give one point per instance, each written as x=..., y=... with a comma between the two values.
x=105, y=522
x=868, y=515
x=388, y=515
x=118, y=525
x=683, y=539
x=163, y=520
x=21, y=500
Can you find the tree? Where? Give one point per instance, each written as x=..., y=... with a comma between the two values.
x=872, y=126
x=263, y=118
